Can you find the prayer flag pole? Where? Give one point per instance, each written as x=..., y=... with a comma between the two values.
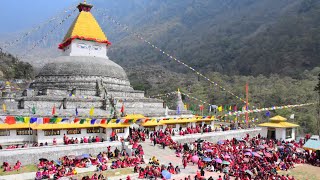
x=247, y=103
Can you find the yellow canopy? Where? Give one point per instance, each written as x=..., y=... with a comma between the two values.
x=115, y=125
x=178, y=121
x=134, y=116
x=278, y=125
x=64, y=126
x=16, y=126
x=152, y=123
x=278, y=118
x=278, y=122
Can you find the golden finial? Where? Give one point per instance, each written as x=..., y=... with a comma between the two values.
x=84, y=1
x=178, y=90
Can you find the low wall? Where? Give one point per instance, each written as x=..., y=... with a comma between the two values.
x=216, y=136
x=33, y=154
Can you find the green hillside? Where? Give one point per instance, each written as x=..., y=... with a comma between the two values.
x=12, y=68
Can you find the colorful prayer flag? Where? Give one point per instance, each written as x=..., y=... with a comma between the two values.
x=10, y=120
x=122, y=108
x=91, y=112
x=93, y=121
x=33, y=110
x=33, y=120
x=82, y=121
x=26, y=120
x=46, y=120
x=77, y=111
x=53, y=120
x=19, y=119
x=4, y=107
x=76, y=120
x=53, y=110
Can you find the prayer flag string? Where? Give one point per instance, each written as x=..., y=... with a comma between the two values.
x=170, y=56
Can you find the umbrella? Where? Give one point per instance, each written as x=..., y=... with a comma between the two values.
x=195, y=159
x=261, y=147
x=57, y=162
x=246, y=159
x=248, y=150
x=79, y=157
x=268, y=155
x=260, y=153
x=239, y=139
x=85, y=156
x=225, y=162
x=290, y=144
x=300, y=150
x=199, y=140
x=249, y=172
x=43, y=159
x=207, y=159
x=256, y=154
x=220, y=142
x=218, y=160
x=247, y=154
x=166, y=174
x=280, y=147
x=209, y=150
x=227, y=156
x=266, y=145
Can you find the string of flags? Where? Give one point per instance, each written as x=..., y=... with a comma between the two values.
x=125, y=27
x=19, y=39
x=77, y=120
x=48, y=33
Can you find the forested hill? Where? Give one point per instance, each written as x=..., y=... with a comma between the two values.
x=233, y=37
x=11, y=67
x=246, y=37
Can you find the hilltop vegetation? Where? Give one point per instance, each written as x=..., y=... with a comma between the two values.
x=12, y=68
x=263, y=92
x=272, y=44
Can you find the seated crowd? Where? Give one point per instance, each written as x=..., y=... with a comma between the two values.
x=66, y=165
x=248, y=158
x=6, y=166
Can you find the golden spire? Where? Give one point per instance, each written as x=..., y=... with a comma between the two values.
x=84, y=1
x=178, y=90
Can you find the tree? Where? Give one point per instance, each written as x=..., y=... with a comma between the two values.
x=317, y=89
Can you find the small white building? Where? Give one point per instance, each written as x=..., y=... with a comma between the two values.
x=279, y=128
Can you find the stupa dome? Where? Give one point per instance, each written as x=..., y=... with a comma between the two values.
x=83, y=66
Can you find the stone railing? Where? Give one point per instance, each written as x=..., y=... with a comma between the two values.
x=217, y=135
x=32, y=155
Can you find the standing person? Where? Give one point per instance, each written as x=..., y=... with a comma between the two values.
x=163, y=145
x=202, y=172
x=154, y=141
x=184, y=162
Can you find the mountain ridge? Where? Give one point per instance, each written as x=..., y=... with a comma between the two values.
x=243, y=37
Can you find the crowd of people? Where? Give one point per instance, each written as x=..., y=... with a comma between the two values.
x=248, y=158
x=67, y=140
x=65, y=166
x=6, y=166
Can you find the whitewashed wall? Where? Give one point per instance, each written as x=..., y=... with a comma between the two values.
x=86, y=48
x=14, y=138
x=41, y=138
